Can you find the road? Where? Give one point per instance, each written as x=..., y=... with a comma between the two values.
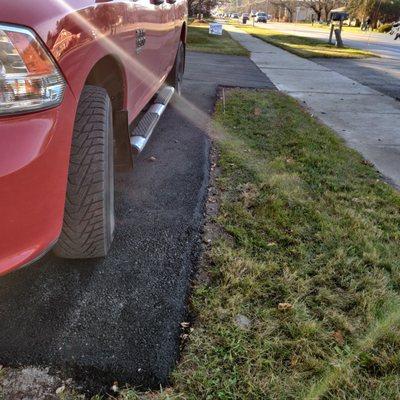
x=118, y=319
x=382, y=74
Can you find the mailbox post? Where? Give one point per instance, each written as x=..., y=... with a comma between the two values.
x=338, y=37
x=331, y=33
x=337, y=15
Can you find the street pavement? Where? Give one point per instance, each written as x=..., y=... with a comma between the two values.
x=368, y=120
x=380, y=73
x=118, y=319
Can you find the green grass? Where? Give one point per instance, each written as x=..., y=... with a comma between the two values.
x=200, y=40
x=307, y=222
x=304, y=46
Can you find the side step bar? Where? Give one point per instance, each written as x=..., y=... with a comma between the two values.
x=142, y=132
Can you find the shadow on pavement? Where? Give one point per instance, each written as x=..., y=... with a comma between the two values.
x=381, y=74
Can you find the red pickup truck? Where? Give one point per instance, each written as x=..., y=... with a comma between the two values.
x=82, y=86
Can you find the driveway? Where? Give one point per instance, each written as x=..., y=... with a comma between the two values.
x=381, y=74
x=118, y=319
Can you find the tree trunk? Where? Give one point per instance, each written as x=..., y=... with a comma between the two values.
x=290, y=15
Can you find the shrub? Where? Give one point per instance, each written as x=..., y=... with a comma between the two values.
x=384, y=28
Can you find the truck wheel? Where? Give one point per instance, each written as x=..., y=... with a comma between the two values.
x=175, y=77
x=88, y=227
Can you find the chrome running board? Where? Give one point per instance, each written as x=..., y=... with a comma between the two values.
x=142, y=132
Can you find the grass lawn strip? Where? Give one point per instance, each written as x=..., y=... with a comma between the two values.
x=311, y=258
x=304, y=46
x=200, y=40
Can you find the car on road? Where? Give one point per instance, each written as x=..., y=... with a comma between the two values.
x=82, y=86
x=261, y=17
x=235, y=16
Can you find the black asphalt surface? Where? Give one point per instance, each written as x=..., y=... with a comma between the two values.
x=118, y=319
x=381, y=74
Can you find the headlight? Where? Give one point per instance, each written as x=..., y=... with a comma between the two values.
x=29, y=78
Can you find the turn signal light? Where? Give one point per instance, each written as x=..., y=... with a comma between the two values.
x=29, y=78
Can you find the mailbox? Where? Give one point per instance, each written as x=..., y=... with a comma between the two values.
x=336, y=15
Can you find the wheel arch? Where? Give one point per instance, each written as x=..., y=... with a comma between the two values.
x=183, y=40
x=184, y=32
x=109, y=73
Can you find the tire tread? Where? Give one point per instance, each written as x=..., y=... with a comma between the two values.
x=84, y=232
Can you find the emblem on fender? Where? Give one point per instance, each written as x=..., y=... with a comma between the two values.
x=140, y=40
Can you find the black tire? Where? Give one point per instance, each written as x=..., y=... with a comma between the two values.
x=88, y=227
x=175, y=77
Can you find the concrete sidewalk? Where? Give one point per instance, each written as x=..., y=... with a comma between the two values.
x=365, y=118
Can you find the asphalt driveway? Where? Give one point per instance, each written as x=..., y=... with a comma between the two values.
x=118, y=319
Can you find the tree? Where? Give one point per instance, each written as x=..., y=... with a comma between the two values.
x=317, y=6
x=201, y=7
x=384, y=10
x=361, y=8
x=289, y=6
x=321, y=7
x=389, y=11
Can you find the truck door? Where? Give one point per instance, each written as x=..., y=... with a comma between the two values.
x=169, y=36
x=144, y=71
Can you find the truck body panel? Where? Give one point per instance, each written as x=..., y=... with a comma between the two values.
x=35, y=147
